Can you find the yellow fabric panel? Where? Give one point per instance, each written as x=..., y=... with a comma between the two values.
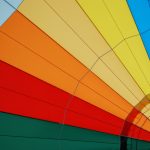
x=101, y=70
x=146, y=111
x=57, y=29
x=128, y=60
x=107, y=19
x=99, y=15
x=117, y=68
x=121, y=13
x=89, y=34
x=139, y=52
x=73, y=15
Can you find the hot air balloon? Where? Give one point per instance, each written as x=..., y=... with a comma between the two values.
x=74, y=75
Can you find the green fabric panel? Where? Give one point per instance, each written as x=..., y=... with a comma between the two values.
x=28, y=127
x=80, y=145
x=21, y=133
x=69, y=132
x=15, y=143
x=22, y=126
x=134, y=144
x=142, y=145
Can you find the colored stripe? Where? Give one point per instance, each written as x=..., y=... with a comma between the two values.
x=90, y=88
x=31, y=132
x=80, y=30
x=16, y=126
x=132, y=115
x=27, y=127
x=20, y=91
x=120, y=34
